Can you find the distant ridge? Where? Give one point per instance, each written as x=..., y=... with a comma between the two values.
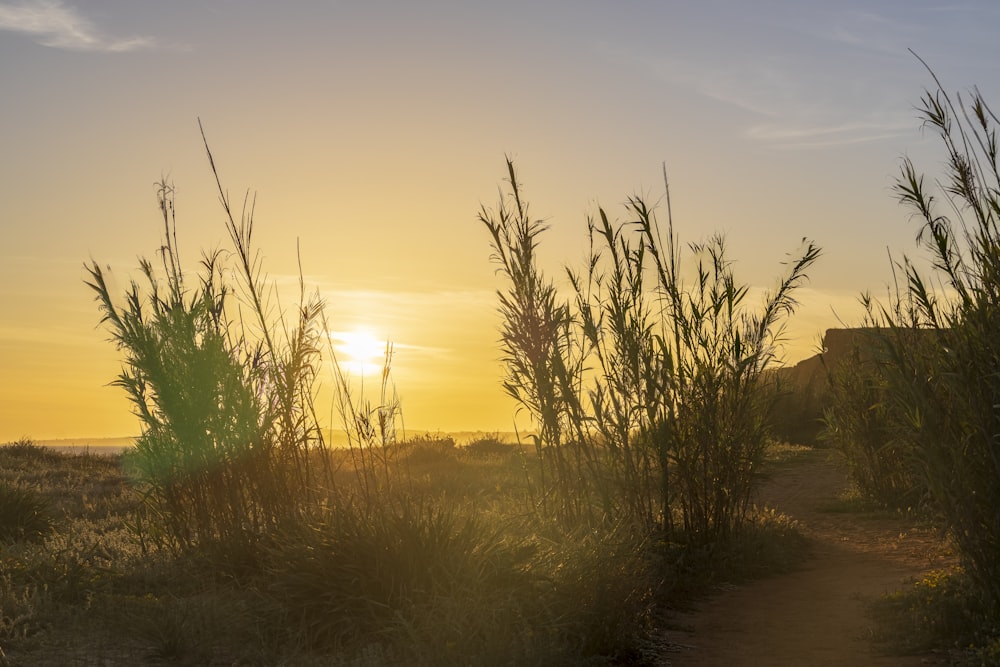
x=83, y=442
x=335, y=438
x=92, y=445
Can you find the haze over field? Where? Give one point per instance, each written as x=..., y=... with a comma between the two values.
x=373, y=132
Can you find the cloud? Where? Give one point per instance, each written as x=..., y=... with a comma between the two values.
x=787, y=107
x=824, y=136
x=56, y=25
x=809, y=78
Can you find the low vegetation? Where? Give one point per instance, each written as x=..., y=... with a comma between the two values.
x=943, y=612
x=452, y=571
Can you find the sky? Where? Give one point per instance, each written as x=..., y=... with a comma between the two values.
x=373, y=132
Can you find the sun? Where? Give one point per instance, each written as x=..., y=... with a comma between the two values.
x=359, y=351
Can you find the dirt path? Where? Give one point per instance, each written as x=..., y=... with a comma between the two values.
x=814, y=616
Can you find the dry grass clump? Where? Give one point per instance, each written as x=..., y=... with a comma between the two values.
x=352, y=576
x=24, y=514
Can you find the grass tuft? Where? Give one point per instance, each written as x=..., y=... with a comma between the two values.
x=25, y=514
x=941, y=611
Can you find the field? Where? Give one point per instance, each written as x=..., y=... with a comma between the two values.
x=827, y=576
x=466, y=577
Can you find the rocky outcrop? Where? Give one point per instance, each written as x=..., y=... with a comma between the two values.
x=803, y=388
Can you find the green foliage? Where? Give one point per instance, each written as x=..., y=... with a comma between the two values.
x=225, y=404
x=944, y=392
x=648, y=393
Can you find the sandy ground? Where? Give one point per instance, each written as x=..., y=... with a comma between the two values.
x=814, y=616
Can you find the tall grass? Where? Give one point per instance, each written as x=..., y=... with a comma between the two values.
x=647, y=391
x=541, y=356
x=226, y=411
x=944, y=387
x=859, y=421
x=371, y=428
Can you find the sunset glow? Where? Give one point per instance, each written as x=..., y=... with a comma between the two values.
x=359, y=352
x=369, y=139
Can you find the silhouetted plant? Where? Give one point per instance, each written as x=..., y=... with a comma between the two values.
x=712, y=350
x=673, y=414
x=371, y=428
x=617, y=321
x=946, y=390
x=542, y=357
x=228, y=423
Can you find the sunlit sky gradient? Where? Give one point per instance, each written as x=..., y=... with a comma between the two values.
x=373, y=131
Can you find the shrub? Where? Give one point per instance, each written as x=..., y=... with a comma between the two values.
x=427, y=450
x=26, y=449
x=490, y=445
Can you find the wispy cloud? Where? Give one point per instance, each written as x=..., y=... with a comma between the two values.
x=787, y=106
x=57, y=25
x=825, y=136
x=812, y=78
